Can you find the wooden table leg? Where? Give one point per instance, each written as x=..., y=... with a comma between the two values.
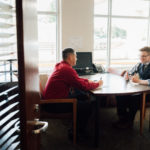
x=142, y=112
x=74, y=121
x=149, y=121
x=97, y=122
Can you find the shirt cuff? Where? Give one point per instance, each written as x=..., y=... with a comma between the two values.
x=148, y=82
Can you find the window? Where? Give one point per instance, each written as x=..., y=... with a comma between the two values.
x=121, y=28
x=47, y=34
x=8, y=48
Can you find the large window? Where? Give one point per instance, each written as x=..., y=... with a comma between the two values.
x=47, y=34
x=121, y=28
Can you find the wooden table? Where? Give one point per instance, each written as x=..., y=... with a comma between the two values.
x=116, y=85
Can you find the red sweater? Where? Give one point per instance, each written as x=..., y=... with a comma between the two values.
x=62, y=79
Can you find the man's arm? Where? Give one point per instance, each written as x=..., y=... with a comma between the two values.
x=137, y=80
x=74, y=80
x=134, y=69
x=145, y=82
x=132, y=72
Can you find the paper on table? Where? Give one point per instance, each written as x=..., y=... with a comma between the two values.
x=100, y=87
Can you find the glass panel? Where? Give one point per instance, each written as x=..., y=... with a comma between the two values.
x=47, y=41
x=47, y=5
x=127, y=39
x=101, y=7
x=100, y=40
x=130, y=7
x=8, y=47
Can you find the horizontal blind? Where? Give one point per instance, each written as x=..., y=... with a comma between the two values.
x=8, y=48
x=9, y=116
x=9, y=95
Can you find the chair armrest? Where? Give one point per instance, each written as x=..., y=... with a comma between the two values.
x=48, y=101
x=116, y=71
x=123, y=73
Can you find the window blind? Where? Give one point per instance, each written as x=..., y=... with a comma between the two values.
x=9, y=95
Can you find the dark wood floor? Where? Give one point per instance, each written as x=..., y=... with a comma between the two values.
x=56, y=137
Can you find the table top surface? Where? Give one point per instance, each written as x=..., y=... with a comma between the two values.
x=116, y=85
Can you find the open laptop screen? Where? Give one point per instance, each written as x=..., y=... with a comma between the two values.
x=84, y=60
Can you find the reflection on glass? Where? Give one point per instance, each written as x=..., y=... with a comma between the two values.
x=101, y=7
x=47, y=5
x=100, y=39
x=130, y=7
x=127, y=38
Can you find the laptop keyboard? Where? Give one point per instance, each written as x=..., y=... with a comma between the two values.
x=86, y=73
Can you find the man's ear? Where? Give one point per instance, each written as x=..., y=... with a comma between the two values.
x=69, y=57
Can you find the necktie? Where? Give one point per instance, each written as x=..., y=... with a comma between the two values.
x=143, y=67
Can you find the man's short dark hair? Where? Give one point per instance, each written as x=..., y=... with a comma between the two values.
x=67, y=51
x=145, y=49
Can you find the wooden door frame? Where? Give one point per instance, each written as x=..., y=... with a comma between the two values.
x=26, y=15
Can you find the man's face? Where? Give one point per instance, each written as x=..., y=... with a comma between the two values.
x=144, y=57
x=72, y=59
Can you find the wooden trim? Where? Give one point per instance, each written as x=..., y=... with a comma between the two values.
x=142, y=112
x=58, y=101
x=21, y=72
x=74, y=120
x=27, y=50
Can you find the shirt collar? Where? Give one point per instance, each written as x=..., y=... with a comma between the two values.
x=63, y=61
x=146, y=64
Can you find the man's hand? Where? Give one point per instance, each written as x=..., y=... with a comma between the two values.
x=100, y=82
x=126, y=76
x=135, y=78
x=90, y=81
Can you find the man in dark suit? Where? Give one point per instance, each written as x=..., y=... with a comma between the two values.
x=127, y=106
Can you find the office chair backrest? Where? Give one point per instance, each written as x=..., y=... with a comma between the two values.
x=43, y=80
x=116, y=71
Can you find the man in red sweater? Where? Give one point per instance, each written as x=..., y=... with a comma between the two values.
x=60, y=85
x=65, y=77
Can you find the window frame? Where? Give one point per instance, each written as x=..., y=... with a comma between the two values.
x=109, y=18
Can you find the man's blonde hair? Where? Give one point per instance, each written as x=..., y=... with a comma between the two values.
x=145, y=49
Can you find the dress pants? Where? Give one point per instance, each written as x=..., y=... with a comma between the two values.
x=127, y=106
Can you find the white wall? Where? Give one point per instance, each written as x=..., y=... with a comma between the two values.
x=77, y=24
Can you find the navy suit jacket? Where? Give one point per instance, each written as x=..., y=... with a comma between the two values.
x=143, y=74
